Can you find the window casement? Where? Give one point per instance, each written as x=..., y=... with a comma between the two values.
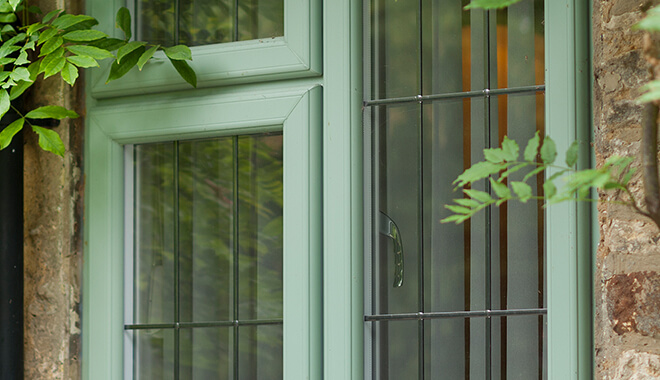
x=307, y=86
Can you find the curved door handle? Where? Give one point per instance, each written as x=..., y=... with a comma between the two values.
x=387, y=227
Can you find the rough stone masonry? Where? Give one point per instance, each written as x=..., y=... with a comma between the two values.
x=627, y=277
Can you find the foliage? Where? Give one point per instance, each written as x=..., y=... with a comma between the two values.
x=615, y=174
x=62, y=43
x=537, y=158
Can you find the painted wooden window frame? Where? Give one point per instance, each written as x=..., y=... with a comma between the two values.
x=296, y=54
x=293, y=110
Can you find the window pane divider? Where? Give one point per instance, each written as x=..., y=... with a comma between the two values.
x=457, y=95
x=455, y=314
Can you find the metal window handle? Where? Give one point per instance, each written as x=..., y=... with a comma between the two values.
x=387, y=227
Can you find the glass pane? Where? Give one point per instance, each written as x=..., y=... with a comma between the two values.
x=260, y=190
x=453, y=47
x=260, y=19
x=205, y=22
x=397, y=181
x=520, y=45
x=153, y=354
x=447, y=349
x=518, y=347
x=206, y=194
x=260, y=352
x=156, y=21
x=395, y=50
x=206, y=353
x=395, y=346
x=517, y=263
x=153, y=290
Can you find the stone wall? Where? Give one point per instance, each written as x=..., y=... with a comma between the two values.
x=52, y=233
x=627, y=279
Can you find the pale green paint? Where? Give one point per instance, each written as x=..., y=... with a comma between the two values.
x=296, y=54
x=342, y=177
x=294, y=110
x=568, y=262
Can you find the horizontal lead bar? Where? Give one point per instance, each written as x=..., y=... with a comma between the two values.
x=189, y=325
x=454, y=314
x=455, y=95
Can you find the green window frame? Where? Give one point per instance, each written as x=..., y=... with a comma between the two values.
x=294, y=55
x=291, y=110
x=328, y=341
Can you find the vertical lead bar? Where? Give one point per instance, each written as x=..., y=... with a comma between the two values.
x=176, y=261
x=488, y=231
x=235, y=20
x=420, y=199
x=235, y=254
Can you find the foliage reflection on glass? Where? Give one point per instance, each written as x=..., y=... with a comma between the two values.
x=202, y=22
x=208, y=250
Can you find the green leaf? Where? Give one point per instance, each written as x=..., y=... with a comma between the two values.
x=82, y=61
x=628, y=176
x=128, y=48
x=51, y=112
x=490, y=4
x=84, y=35
x=118, y=70
x=109, y=44
x=8, y=18
x=478, y=195
x=90, y=51
x=510, y=149
x=6, y=61
x=49, y=16
x=532, y=148
x=7, y=49
x=20, y=73
x=4, y=75
x=35, y=9
x=51, y=45
x=52, y=66
x=178, y=53
x=22, y=59
x=9, y=132
x=146, y=56
x=67, y=20
x=47, y=35
x=478, y=171
x=651, y=92
x=19, y=89
x=468, y=202
x=512, y=170
x=651, y=22
x=522, y=190
x=548, y=150
x=572, y=154
x=534, y=172
x=186, y=72
x=5, y=103
x=455, y=218
x=14, y=4
x=70, y=73
x=500, y=189
x=49, y=140
x=495, y=155
x=458, y=209
x=34, y=27
x=124, y=21
x=549, y=189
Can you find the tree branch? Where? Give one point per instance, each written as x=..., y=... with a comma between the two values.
x=650, y=162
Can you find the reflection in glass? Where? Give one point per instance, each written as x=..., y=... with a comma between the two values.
x=203, y=22
x=395, y=350
x=153, y=294
x=208, y=258
x=206, y=353
x=153, y=354
x=205, y=229
x=260, y=352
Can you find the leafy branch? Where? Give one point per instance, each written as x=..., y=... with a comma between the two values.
x=538, y=158
x=63, y=43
